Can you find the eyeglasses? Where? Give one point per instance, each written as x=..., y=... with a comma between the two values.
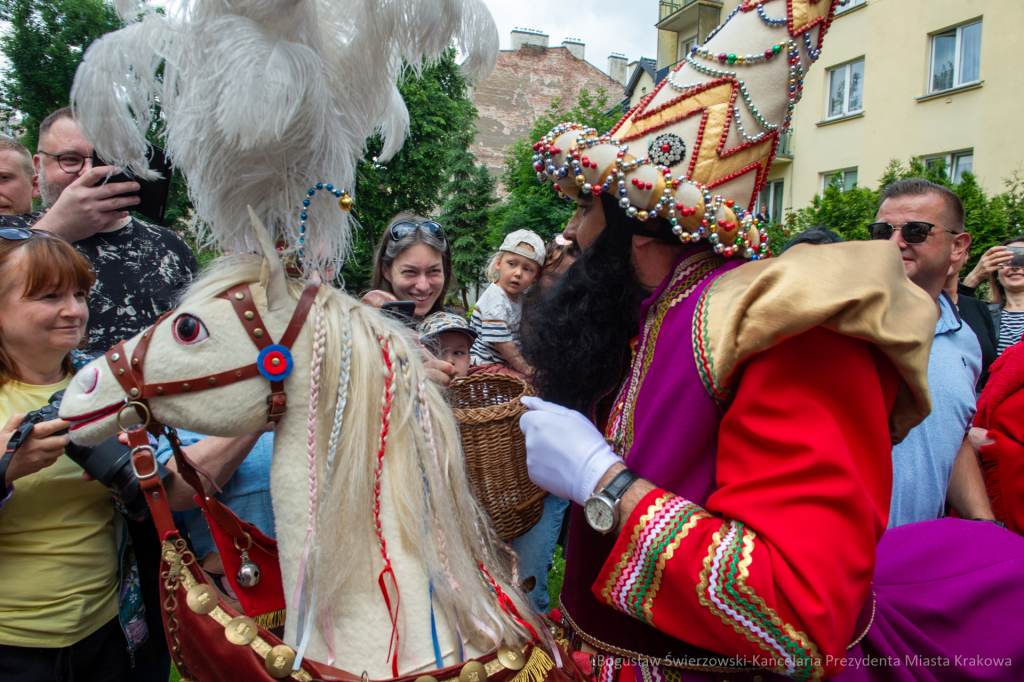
x=69, y=163
x=17, y=234
x=402, y=230
x=913, y=232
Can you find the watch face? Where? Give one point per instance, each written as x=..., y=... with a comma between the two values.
x=600, y=513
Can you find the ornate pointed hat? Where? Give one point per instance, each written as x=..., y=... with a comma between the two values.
x=697, y=150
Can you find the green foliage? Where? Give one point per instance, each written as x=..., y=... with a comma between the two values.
x=470, y=195
x=44, y=46
x=414, y=180
x=530, y=204
x=990, y=220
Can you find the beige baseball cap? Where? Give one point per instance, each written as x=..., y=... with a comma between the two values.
x=514, y=239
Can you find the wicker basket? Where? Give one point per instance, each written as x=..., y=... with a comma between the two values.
x=487, y=409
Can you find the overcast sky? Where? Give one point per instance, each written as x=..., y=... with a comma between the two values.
x=605, y=26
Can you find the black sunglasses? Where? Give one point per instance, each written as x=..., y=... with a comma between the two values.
x=914, y=232
x=404, y=229
x=17, y=234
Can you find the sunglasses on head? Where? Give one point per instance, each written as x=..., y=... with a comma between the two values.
x=913, y=232
x=17, y=234
x=404, y=229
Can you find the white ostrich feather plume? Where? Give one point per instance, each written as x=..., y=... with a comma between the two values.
x=260, y=100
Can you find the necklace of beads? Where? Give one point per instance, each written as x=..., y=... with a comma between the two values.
x=795, y=84
x=768, y=20
x=345, y=201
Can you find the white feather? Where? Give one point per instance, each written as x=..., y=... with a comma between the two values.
x=260, y=100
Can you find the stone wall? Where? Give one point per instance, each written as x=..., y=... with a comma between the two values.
x=521, y=88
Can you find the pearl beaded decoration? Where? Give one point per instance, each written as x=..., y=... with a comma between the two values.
x=345, y=201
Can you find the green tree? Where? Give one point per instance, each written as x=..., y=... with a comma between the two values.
x=530, y=204
x=470, y=193
x=990, y=220
x=414, y=180
x=44, y=46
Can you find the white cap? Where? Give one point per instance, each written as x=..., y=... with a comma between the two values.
x=514, y=239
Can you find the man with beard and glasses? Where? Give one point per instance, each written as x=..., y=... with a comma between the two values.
x=140, y=268
x=724, y=429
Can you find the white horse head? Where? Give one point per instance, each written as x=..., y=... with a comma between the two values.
x=434, y=530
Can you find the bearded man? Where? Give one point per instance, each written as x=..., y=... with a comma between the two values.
x=725, y=429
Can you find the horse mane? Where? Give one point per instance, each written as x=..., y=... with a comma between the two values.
x=425, y=472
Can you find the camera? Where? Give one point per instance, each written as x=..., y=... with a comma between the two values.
x=108, y=462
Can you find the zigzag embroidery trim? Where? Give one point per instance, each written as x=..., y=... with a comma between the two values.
x=723, y=589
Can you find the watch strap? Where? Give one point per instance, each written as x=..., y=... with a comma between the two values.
x=620, y=484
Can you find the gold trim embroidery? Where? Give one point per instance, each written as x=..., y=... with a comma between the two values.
x=666, y=556
x=637, y=656
x=741, y=585
x=651, y=512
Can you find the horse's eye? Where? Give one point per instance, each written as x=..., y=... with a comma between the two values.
x=189, y=329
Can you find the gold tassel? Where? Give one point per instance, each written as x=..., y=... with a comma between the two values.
x=271, y=619
x=537, y=668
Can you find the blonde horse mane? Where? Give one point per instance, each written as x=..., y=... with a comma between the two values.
x=425, y=474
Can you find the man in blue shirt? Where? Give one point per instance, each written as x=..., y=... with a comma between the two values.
x=241, y=467
x=935, y=463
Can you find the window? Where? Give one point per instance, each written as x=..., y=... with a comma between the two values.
x=850, y=4
x=847, y=179
x=771, y=196
x=956, y=57
x=846, y=89
x=955, y=164
x=684, y=47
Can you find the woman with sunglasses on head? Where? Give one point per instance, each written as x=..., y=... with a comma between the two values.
x=59, y=534
x=413, y=263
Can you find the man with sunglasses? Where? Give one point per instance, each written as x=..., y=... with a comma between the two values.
x=935, y=463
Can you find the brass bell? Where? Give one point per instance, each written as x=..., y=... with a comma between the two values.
x=248, y=572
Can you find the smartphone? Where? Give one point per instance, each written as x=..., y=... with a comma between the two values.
x=152, y=193
x=1018, y=257
x=403, y=311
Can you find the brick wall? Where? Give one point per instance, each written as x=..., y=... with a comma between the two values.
x=521, y=88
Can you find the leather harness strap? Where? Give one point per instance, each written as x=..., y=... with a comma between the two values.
x=130, y=374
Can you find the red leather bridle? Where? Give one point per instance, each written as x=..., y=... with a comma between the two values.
x=130, y=374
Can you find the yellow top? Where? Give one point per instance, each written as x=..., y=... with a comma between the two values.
x=57, y=549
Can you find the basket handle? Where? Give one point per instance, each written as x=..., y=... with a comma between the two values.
x=539, y=496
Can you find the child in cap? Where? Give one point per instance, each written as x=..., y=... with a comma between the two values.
x=496, y=315
x=449, y=338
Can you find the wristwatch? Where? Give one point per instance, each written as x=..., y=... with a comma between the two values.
x=602, y=508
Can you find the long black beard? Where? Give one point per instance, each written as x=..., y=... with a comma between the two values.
x=575, y=333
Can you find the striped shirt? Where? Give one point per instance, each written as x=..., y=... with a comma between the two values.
x=495, y=320
x=1011, y=328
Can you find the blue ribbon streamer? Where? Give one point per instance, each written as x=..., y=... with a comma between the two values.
x=439, y=661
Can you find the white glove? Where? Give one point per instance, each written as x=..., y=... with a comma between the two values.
x=565, y=453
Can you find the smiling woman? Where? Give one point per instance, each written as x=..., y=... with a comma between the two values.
x=413, y=263
x=57, y=537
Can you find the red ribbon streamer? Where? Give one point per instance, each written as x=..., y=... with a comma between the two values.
x=507, y=605
x=385, y=425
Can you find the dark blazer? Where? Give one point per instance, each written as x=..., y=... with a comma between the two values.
x=978, y=316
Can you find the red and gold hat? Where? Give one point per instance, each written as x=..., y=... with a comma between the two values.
x=697, y=150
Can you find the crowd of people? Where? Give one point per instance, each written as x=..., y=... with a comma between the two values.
x=81, y=600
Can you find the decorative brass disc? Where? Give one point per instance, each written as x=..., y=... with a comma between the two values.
x=279, y=661
x=241, y=630
x=201, y=598
x=426, y=678
x=474, y=671
x=511, y=657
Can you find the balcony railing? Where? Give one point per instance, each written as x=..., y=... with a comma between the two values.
x=667, y=7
